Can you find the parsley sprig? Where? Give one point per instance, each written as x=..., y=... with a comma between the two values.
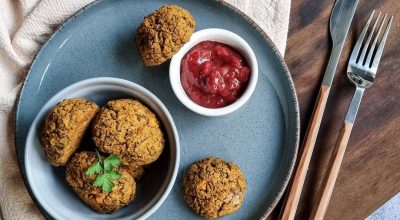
x=106, y=170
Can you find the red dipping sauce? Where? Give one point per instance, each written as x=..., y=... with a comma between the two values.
x=214, y=74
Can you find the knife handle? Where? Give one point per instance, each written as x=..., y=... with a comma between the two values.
x=325, y=191
x=292, y=198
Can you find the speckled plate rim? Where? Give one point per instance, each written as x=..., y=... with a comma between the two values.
x=275, y=50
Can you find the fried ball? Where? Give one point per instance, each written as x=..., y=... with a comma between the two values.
x=64, y=128
x=121, y=194
x=128, y=129
x=163, y=33
x=214, y=188
x=137, y=172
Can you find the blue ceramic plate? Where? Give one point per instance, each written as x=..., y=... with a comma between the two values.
x=261, y=137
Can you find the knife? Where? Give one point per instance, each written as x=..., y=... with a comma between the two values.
x=339, y=24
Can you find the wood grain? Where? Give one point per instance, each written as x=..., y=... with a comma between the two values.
x=369, y=174
x=296, y=187
x=331, y=173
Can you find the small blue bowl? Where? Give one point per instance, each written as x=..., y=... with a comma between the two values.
x=48, y=183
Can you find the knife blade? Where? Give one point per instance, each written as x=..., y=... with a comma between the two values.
x=339, y=24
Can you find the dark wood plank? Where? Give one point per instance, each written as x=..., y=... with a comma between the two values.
x=370, y=174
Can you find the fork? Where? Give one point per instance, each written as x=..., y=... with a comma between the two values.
x=361, y=71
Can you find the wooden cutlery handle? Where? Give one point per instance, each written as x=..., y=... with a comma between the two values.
x=326, y=188
x=293, y=197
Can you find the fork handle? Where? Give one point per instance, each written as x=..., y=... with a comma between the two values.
x=294, y=192
x=326, y=188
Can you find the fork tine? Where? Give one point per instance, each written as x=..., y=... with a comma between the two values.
x=356, y=50
x=379, y=51
x=366, y=45
x=372, y=49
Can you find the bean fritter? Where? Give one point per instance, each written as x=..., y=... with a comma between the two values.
x=121, y=194
x=162, y=33
x=129, y=130
x=64, y=127
x=214, y=188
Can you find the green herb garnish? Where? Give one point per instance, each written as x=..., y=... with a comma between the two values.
x=106, y=172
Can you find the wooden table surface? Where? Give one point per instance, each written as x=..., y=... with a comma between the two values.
x=370, y=173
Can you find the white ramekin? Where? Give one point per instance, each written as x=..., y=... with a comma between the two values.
x=222, y=36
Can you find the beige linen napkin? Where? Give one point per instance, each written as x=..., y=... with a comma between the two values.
x=24, y=26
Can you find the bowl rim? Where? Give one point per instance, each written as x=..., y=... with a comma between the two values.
x=223, y=36
x=174, y=150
